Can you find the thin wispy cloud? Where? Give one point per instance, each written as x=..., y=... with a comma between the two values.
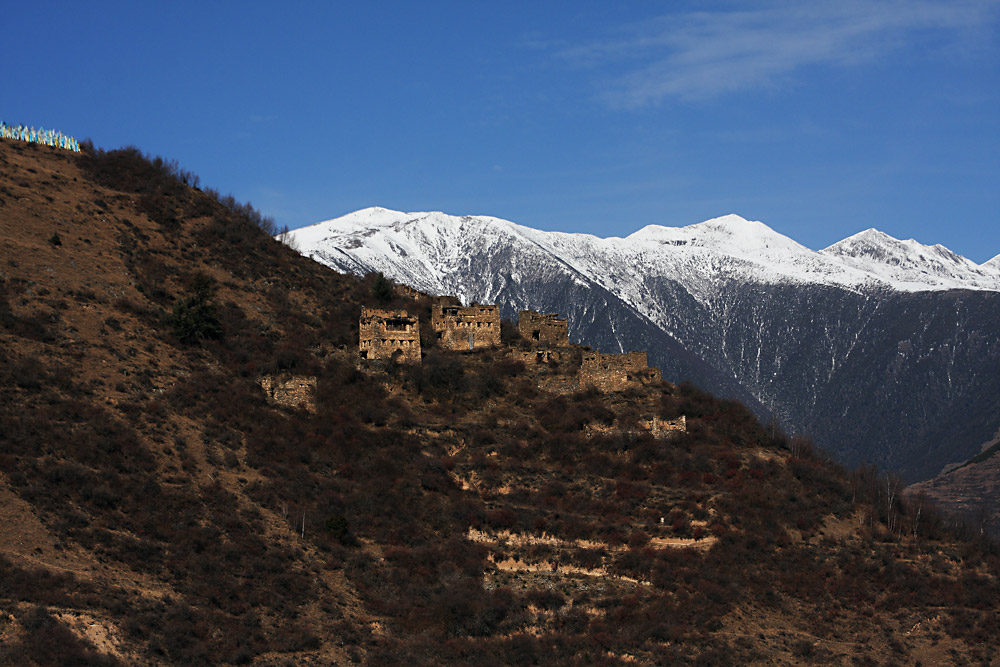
x=701, y=55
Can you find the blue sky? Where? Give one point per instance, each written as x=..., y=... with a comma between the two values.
x=819, y=119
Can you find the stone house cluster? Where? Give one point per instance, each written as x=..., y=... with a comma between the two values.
x=386, y=334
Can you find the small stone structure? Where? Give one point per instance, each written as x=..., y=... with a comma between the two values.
x=469, y=328
x=660, y=427
x=543, y=328
x=615, y=372
x=407, y=292
x=297, y=391
x=385, y=334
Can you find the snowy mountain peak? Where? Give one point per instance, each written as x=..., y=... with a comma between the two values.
x=911, y=262
x=883, y=248
x=870, y=236
x=730, y=234
x=732, y=224
x=375, y=215
x=870, y=244
x=734, y=231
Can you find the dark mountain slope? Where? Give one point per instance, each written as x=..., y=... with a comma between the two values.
x=909, y=381
x=160, y=508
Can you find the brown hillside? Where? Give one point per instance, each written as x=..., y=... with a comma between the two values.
x=160, y=507
x=968, y=491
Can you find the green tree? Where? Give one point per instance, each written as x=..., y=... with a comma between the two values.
x=382, y=289
x=194, y=317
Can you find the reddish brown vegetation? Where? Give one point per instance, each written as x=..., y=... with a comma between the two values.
x=216, y=526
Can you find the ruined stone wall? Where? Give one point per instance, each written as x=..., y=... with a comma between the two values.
x=297, y=391
x=605, y=379
x=659, y=427
x=407, y=292
x=648, y=375
x=543, y=328
x=538, y=357
x=471, y=328
x=615, y=372
x=633, y=361
x=383, y=333
x=559, y=383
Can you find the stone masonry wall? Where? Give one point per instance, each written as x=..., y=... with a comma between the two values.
x=659, y=427
x=543, y=328
x=615, y=372
x=384, y=333
x=407, y=292
x=537, y=356
x=298, y=391
x=470, y=328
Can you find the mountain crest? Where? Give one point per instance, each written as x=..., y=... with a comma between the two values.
x=730, y=247
x=910, y=262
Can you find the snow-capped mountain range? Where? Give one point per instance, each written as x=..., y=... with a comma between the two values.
x=427, y=246
x=879, y=348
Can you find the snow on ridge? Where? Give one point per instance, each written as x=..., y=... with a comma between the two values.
x=436, y=246
x=911, y=265
x=731, y=234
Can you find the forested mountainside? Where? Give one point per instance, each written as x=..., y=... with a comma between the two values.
x=884, y=351
x=159, y=507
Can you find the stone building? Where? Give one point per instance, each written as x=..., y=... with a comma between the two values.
x=385, y=333
x=543, y=328
x=466, y=328
x=296, y=391
x=615, y=372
